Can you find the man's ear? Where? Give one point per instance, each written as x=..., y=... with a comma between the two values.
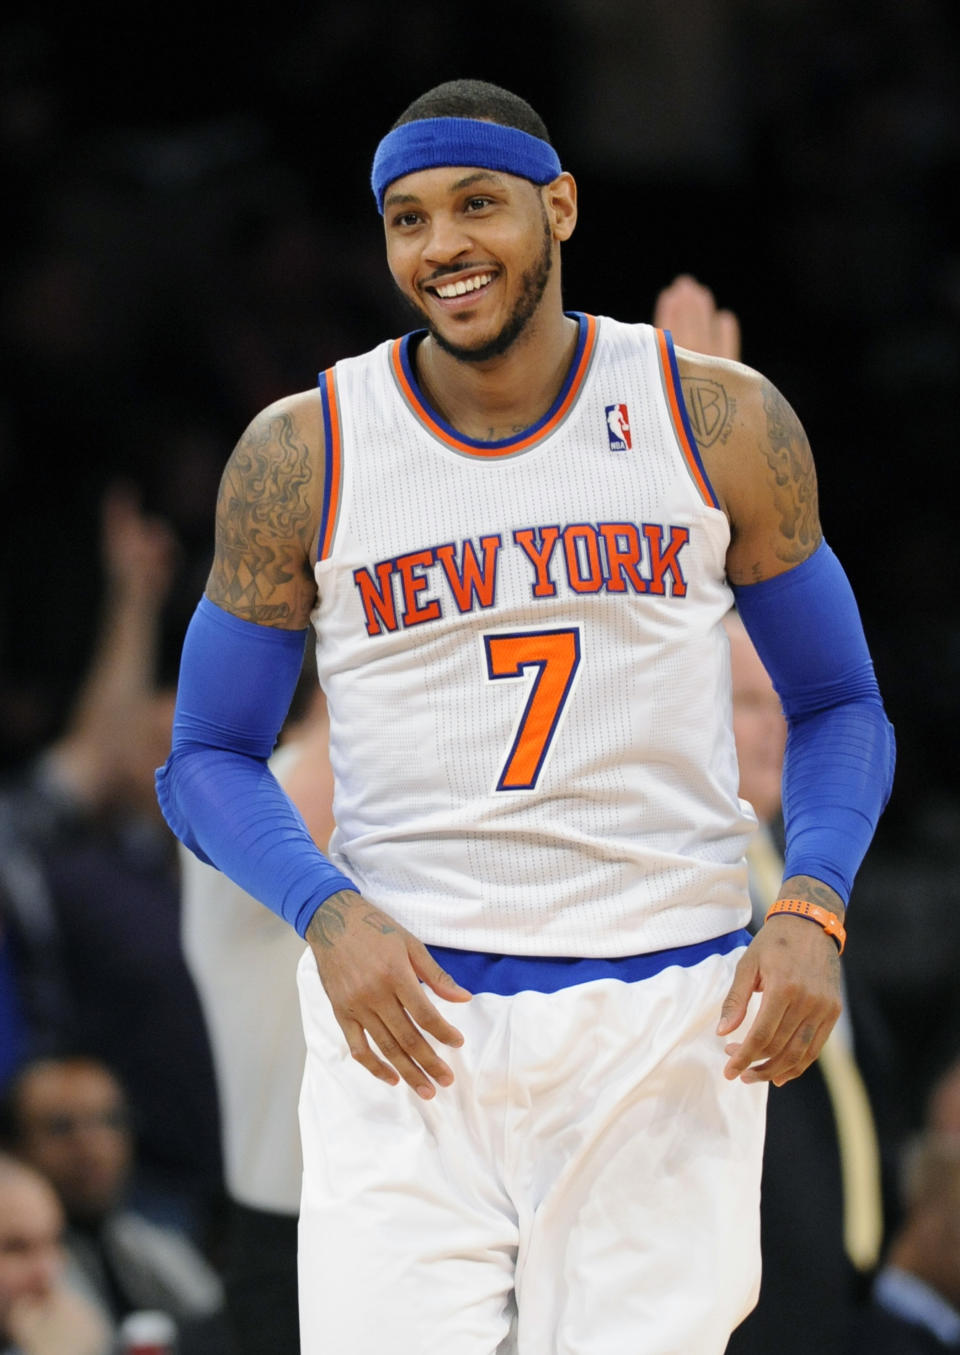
x=560, y=202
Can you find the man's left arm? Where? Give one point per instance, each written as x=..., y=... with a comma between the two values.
x=799, y=609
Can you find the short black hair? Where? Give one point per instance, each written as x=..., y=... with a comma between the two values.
x=11, y=1095
x=476, y=99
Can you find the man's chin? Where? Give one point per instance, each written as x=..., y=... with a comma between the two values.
x=479, y=351
x=482, y=349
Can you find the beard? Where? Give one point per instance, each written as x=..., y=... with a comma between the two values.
x=533, y=284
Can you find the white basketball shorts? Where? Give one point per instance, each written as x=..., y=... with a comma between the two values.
x=589, y=1185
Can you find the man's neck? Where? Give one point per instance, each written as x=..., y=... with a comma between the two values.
x=502, y=397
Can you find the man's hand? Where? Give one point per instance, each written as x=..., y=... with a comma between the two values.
x=57, y=1323
x=373, y=972
x=796, y=966
x=689, y=311
x=139, y=552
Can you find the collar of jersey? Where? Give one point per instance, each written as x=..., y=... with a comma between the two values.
x=400, y=357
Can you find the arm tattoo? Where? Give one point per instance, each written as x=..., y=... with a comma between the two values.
x=787, y=453
x=263, y=513
x=329, y=922
x=710, y=410
x=814, y=891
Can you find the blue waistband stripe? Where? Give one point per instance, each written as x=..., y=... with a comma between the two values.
x=506, y=975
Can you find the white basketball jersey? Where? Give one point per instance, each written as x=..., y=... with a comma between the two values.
x=527, y=678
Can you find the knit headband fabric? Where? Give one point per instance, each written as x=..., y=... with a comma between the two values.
x=432, y=142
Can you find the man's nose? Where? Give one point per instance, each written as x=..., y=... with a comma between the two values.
x=44, y=1270
x=447, y=240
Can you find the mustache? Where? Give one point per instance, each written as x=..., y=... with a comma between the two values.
x=451, y=271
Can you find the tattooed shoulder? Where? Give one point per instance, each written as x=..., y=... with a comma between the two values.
x=264, y=519
x=710, y=408
x=787, y=453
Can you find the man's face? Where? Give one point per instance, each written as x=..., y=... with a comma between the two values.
x=73, y=1129
x=473, y=252
x=31, y=1223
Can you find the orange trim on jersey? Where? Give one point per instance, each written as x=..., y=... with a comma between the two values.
x=678, y=414
x=332, y=467
x=506, y=448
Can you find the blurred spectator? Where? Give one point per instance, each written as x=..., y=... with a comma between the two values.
x=244, y=959
x=943, y=1103
x=68, y=1118
x=915, y=1304
x=40, y=1313
x=88, y=886
x=11, y=1012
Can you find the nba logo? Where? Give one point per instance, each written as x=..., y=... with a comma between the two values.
x=618, y=428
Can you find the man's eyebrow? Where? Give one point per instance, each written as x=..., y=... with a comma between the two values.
x=398, y=199
x=477, y=176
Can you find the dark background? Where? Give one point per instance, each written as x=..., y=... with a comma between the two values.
x=190, y=234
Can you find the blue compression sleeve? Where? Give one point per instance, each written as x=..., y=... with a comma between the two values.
x=838, y=769
x=216, y=792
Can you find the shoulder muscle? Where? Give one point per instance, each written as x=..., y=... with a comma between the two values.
x=268, y=512
x=759, y=462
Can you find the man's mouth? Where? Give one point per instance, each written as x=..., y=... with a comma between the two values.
x=448, y=291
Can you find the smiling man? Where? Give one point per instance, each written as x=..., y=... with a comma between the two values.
x=515, y=536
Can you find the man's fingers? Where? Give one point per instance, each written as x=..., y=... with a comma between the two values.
x=763, y=1059
x=779, y=1052
x=443, y=984
x=803, y=1051
x=425, y=1015
x=735, y=1004
x=761, y=1042
x=792, y=1060
x=402, y=1045
x=400, y=1065
x=360, y=1050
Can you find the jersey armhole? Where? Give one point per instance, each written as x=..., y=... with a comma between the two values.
x=332, y=462
x=670, y=374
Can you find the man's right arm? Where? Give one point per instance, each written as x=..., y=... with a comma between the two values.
x=241, y=659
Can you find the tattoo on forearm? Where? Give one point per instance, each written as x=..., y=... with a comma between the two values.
x=710, y=410
x=788, y=455
x=263, y=514
x=329, y=922
x=380, y=923
x=814, y=891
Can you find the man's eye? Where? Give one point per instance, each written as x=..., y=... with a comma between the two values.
x=406, y=219
x=475, y=204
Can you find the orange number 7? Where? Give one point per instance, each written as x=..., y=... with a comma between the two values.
x=556, y=656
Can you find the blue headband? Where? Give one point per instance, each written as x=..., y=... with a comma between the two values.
x=432, y=142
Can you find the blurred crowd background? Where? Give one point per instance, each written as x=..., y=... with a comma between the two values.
x=189, y=234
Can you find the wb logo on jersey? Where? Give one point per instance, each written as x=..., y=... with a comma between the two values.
x=618, y=428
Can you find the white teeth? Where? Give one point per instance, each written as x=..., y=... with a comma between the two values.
x=451, y=289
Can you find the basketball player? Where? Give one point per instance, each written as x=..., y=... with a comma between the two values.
x=538, y=1036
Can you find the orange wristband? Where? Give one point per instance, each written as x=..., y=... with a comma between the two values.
x=830, y=923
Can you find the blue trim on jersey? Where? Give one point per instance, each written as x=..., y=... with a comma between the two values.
x=448, y=428
x=507, y=975
x=327, y=460
x=688, y=427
